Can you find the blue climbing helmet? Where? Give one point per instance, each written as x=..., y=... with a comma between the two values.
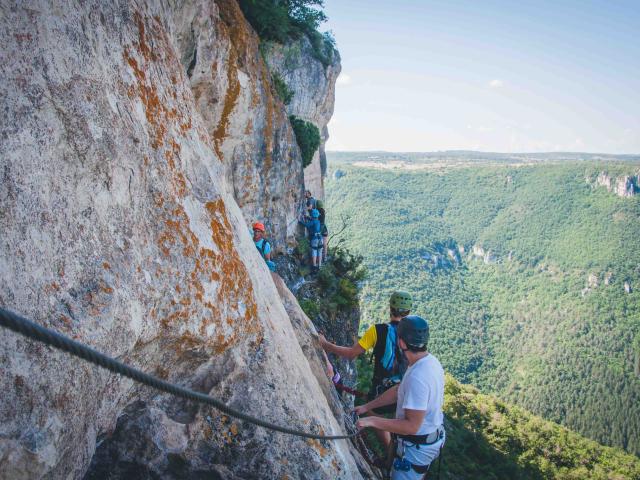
x=414, y=330
x=315, y=213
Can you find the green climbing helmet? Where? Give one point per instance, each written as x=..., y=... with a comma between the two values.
x=401, y=300
x=414, y=330
x=319, y=204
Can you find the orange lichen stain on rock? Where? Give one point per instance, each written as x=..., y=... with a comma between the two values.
x=318, y=447
x=106, y=265
x=146, y=52
x=65, y=320
x=223, y=267
x=170, y=159
x=154, y=109
x=269, y=116
x=185, y=127
x=230, y=100
x=52, y=287
x=158, y=200
x=162, y=372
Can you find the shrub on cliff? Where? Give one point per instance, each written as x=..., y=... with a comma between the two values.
x=282, y=89
x=279, y=20
x=307, y=137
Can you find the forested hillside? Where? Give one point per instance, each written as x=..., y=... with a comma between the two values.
x=529, y=275
x=489, y=439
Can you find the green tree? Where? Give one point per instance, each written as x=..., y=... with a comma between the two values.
x=307, y=137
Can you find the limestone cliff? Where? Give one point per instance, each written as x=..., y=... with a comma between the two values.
x=247, y=124
x=312, y=84
x=622, y=186
x=128, y=132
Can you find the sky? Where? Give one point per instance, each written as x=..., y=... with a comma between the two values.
x=502, y=76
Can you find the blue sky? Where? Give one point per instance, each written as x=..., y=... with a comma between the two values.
x=487, y=75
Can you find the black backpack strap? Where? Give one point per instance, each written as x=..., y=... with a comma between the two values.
x=379, y=372
x=265, y=242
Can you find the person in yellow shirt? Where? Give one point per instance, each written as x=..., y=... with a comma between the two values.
x=389, y=363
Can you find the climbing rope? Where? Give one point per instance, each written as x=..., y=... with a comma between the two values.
x=361, y=445
x=41, y=334
x=352, y=391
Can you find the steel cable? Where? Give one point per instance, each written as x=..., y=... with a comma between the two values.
x=39, y=333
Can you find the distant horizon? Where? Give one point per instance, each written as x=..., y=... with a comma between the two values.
x=551, y=152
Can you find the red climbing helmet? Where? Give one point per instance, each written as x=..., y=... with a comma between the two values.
x=259, y=226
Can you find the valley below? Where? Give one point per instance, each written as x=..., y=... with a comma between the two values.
x=527, y=267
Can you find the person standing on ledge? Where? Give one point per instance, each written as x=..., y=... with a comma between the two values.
x=389, y=363
x=310, y=202
x=315, y=238
x=418, y=424
x=263, y=245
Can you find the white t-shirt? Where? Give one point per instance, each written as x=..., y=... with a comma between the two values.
x=422, y=388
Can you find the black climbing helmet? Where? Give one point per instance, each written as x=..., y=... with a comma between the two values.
x=414, y=330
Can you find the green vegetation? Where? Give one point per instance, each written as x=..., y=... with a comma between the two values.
x=524, y=321
x=307, y=137
x=489, y=439
x=281, y=20
x=338, y=279
x=282, y=89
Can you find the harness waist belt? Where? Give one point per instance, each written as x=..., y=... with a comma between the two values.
x=428, y=439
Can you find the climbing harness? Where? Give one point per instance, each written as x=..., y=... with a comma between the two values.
x=401, y=464
x=39, y=333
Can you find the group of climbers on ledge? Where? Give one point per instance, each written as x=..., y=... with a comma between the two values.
x=317, y=233
x=407, y=381
x=314, y=221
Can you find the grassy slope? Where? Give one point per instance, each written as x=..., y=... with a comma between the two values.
x=518, y=328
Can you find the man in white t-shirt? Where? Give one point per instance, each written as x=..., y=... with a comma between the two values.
x=419, y=397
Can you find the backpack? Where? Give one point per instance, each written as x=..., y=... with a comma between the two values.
x=316, y=241
x=263, y=247
x=390, y=364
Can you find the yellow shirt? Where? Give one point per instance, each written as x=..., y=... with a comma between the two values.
x=369, y=338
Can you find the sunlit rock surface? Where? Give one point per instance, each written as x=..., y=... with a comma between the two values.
x=313, y=87
x=120, y=228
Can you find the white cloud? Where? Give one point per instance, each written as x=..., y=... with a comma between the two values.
x=343, y=79
x=496, y=83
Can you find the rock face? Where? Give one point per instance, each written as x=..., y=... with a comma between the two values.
x=313, y=99
x=623, y=186
x=246, y=122
x=120, y=168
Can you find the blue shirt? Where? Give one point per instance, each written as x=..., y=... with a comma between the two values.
x=267, y=247
x=312, y=226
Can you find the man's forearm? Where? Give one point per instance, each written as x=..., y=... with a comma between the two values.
x=344, y=352
x=400, y=426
